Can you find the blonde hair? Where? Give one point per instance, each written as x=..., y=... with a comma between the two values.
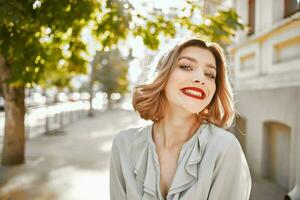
x=149, y=99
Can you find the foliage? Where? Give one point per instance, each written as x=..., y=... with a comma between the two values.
x=111, y=72
x=41, y=39
x=220, y=27
x=35, y=36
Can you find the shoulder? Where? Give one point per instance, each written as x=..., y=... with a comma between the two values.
x=230, y=161
x=224, y=141
x=125, y=137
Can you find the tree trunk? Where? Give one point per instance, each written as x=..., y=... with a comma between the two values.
x=14, y=132
x=109, y=101
x=91, y=109
x=91, y=86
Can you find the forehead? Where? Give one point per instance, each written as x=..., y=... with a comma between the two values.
x=201, y=55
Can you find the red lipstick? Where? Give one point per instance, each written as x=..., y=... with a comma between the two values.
x=194, y=92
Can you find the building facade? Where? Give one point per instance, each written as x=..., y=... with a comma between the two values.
x=266, y=80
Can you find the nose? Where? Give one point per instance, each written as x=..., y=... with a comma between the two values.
x=197, y=81
x=198, y=77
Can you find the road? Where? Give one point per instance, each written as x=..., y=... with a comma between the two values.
x=69, y=166
x=74, y=165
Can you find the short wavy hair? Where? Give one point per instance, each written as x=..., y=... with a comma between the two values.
x=149, y=99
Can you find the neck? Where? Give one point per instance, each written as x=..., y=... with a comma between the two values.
x=173, y=131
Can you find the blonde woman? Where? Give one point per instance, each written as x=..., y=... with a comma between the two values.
x=186, y=153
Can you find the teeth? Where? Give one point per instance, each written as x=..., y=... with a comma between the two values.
x=194, y=92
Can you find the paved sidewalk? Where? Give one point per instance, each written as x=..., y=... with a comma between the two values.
x=263, y=189
x=74, y=165
x=68, y=166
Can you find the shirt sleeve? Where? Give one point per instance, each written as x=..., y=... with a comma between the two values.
x=231, y=178
x=117, y=182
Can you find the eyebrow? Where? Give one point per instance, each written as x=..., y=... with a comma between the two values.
x=195, y=61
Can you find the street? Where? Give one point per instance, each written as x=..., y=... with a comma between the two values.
x=74, y=165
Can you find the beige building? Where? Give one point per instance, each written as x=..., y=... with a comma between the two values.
x=266, y=71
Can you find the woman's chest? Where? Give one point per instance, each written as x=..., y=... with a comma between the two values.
x=183, y=180
x=168, y=163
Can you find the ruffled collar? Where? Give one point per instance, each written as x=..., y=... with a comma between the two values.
x=144, y=157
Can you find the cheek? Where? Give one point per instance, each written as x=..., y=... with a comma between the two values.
x=213, y=89
x=212, y=92
x=173, y=82
x=172, y=88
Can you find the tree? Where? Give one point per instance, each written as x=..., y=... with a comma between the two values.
x=39, y=38
x=34, y=37
x=111, y=72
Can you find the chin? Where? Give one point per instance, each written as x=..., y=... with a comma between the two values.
x=194, y=110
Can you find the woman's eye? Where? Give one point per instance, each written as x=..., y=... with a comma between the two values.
x=186, y=67
x=189, y=68
x=210, y=75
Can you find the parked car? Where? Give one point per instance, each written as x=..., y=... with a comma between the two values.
x=1, y=103
x=75, y=96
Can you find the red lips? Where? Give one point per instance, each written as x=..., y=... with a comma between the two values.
x=194, y=89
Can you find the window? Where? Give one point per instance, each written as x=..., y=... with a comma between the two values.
x=291, y=7
x=251, y=16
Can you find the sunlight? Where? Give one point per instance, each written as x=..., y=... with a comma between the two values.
x=73, y=183
x=23, y=181
x=106, y=146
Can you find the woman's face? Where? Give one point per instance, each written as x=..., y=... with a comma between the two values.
x=191, y=85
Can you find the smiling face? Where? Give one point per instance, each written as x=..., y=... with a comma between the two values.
x=191, y=85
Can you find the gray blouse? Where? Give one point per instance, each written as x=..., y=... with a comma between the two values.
x=211, y=166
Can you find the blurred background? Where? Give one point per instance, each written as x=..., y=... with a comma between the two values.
x=68, y=69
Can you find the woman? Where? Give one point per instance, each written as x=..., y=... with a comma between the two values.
x=185, y=154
